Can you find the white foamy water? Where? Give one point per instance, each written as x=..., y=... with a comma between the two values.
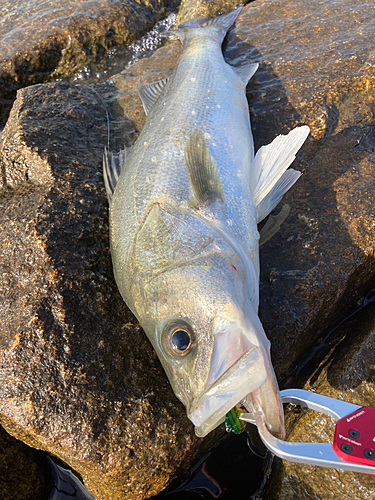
x=152, y=40
x=119, y=58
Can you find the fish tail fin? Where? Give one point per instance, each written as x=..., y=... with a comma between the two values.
x=220, y=25
x=270, y=179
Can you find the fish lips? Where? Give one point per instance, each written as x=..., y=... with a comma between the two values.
x=244, y=377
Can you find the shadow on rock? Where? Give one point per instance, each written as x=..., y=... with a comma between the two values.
x=78, y=376
x=24, y=472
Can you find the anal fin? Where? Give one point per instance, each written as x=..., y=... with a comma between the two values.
x=246, y=71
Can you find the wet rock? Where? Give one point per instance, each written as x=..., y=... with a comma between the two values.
x=24, y=472
x=203, y=8
x=94, y=403
x=159, y=66
x=344, y=369
x=40, y=42
x=316, y=67
x=78, y=376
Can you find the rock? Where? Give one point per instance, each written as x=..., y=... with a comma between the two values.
x=40, y=43
x=24, y=472
x=94, y=403
x=78, y=376
x=345, y=371
x=162, y=64
x=203, y=8
x=315, y=68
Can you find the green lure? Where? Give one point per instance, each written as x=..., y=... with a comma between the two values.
x=233, y=422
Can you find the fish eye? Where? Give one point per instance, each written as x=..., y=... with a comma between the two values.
x=180, y=337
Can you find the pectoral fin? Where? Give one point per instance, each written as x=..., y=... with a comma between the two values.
x=202, y=171
x=113, y=163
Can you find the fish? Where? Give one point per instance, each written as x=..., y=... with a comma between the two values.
x=185, y=203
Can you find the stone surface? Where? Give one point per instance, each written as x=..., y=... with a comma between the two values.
x=42, y=41
x=316, y=67
x=94, y=403
x=78, y=376
x=24, y=472
x=343, y=368
x=203, y=8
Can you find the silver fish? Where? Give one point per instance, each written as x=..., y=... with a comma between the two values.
x=184, y=207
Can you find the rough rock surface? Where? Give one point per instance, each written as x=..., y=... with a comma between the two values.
x=24, y=472
x=202, y=8
x=78, y=376
x=75, y=368
x=317, y=67
x=42, y=41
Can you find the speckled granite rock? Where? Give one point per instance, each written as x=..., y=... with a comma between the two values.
x=42, y=41
x=343, y=368
x=316, y=68
x=24, y=472
x=69, y=318
x=77, y=375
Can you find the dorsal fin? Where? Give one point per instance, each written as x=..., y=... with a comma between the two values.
x=150, y=92
x=246, y=71
x=201, y=168
x=113, y=163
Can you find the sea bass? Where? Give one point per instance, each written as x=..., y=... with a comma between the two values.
x=184, y=207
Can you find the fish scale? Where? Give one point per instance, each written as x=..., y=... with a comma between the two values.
x=183, y=229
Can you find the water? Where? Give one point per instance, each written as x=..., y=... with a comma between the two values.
x=121, y=57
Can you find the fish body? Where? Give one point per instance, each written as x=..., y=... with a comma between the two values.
x=183, y=229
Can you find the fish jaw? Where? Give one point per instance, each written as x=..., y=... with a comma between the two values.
x=241, y=369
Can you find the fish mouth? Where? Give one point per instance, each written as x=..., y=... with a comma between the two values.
x=239, y=368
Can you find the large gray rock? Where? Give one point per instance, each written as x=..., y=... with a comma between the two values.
x=78, y=377
x=42, y=41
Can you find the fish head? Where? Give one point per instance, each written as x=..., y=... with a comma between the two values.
x=210, y=340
